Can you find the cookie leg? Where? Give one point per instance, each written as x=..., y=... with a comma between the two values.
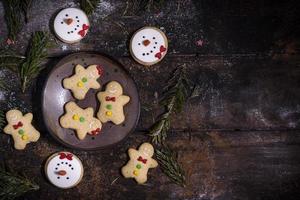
x=126, y=171
x=142, y=178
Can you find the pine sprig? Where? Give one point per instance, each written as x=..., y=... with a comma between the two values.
x=88, y=6
x=168, y=162
x=13, y=186
x=10, y=60
x=14, y=11
x=140, y=6
x=2, y=119
x=174, y=97
x=30, y=68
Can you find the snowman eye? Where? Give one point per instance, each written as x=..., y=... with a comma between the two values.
x=155, y=42
x=147, y=53
x=153, y=38
x=151, y=51
x=77, y=20
x=72, y=168
x=68, y=32
x=75, y=29
x=143, y=54
x=154, y=47
x=62, y=162
x=67, y=15
x=77, y=25
x=56, y=168
x=58, y=177
x=139, y=43
x=76, y=17
x=66, y=163
x=57, y=164
x=62, y=22
x=144, y=37
x=67, y=177
x=70, y=165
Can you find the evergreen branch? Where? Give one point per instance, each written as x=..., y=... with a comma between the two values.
x=13, y=186
x=25, y=5
x=89, y=6
x=139, y=6
x=30, y=68
x=174, y=97
x=10, y=60
x=168, y=162
x=13, y=16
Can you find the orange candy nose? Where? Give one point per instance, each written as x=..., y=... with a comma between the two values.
x=69, y=21
x=61, y=172
x=146, y=42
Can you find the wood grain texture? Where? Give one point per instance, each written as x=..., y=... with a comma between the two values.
x=237, y=139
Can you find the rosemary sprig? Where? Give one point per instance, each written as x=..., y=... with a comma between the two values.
x=168, y=162
x=134, y=7
x=10, y=60
x=2, y=119
x=30, y=68
x=13, y=186
x=174, y=97
x=14, y=11
x=88, y=6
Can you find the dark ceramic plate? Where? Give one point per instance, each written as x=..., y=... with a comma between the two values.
x=55, y=96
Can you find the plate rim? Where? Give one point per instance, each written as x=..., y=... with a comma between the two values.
x=43, y=99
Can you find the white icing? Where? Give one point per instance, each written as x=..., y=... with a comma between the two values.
x=147, y=53
x=70, y=33
x=73, y=168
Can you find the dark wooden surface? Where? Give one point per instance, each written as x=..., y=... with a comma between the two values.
x=238, y=139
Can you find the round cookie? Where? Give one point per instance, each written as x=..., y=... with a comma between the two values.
x=148, y=45
x=64, y=170
x=71, y=25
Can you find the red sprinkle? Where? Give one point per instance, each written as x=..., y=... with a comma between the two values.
x=100, y=70
x=96, y=132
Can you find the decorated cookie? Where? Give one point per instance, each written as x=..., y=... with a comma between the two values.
x=148, y=45
x=83, y=80
x=71, y=25
x=81, y=120
x=112, y=101
x=20, y=128
x=140, y=161
x=64, y=170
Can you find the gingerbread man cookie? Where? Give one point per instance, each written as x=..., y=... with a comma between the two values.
x=112, y=102
x=71, y=25
x=64, y=170
x=140, y=161
x=20, y=128
x=81, y=120
x=148, y=46
x=83, y=80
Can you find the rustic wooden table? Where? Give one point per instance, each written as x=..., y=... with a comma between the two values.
x=239, y=139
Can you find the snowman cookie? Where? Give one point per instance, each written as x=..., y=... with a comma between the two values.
x=83, y=80
x=112, y=102
x=71, y=25
x=64, y=170
x=81, y=120
x=148, y=46
x=140, y=162
x=20, y=128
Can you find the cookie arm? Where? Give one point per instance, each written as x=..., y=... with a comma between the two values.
x=79, y=69
x=124, y=99
x=28, y=117
x=132, y=153
x=153, y=163
x=8, y=129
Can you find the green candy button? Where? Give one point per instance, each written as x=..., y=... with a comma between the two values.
x=21, y=131
x=138, y=166
x=81, y=119
x=109, y=107
x=84, y=79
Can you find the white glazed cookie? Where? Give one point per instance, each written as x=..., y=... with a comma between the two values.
x=140, y=161
x=148, y=45
x=83, y=80
x=20, y=128
x=112, y=101
x=71, y=25
x=81, y=120
x=64, y=170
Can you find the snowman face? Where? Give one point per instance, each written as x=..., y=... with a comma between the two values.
x=64, y=170
x=71, y=25
x=149, y=45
